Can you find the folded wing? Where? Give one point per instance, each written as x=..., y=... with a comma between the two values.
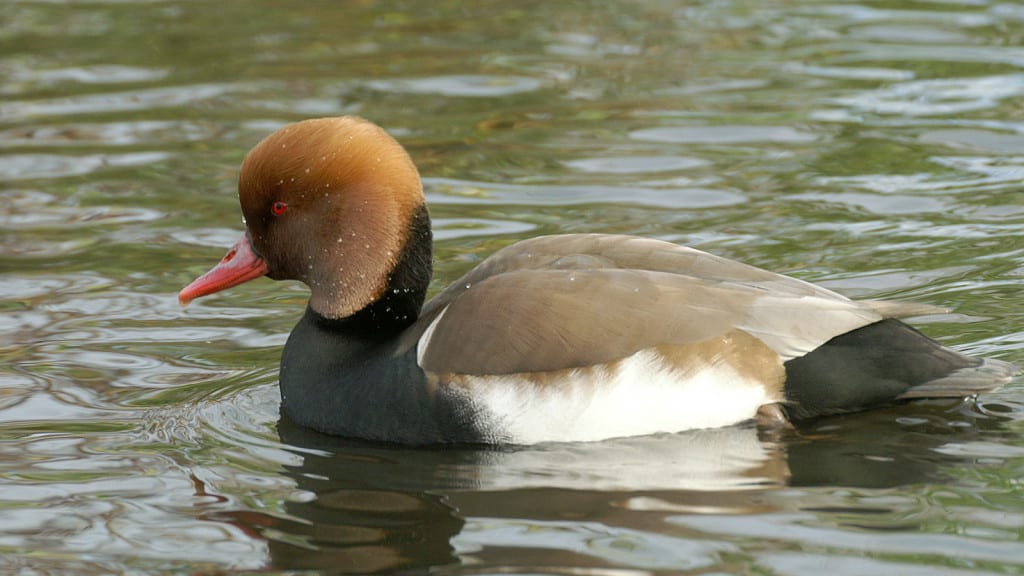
x=569, y=301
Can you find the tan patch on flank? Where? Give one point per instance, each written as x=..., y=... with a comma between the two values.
x=751, y=359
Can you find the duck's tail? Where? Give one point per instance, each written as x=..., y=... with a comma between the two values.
x=988, y=375
x=880, y=363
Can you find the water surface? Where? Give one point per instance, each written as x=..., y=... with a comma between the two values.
x=874, y=148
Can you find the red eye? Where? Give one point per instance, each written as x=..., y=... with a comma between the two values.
x=278, y=208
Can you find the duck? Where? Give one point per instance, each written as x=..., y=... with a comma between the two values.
x=558, y=338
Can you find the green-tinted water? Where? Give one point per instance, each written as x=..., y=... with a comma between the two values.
x=875, y=148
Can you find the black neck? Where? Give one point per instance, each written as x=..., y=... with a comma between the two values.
x=353, y=377
x=406, y=289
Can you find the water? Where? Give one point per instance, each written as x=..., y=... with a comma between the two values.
x=873, y=148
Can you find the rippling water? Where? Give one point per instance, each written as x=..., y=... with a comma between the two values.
x=878, y=151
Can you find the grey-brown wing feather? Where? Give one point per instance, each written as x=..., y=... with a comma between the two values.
x=594, y=251
x=552, y=303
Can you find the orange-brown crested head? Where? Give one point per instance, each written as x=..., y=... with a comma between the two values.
x=331, y=202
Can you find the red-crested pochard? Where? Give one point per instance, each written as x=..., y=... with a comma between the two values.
x=557, y=338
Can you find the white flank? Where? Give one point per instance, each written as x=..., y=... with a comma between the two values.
x=640, y=395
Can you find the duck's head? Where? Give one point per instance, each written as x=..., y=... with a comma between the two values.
x=335, y=203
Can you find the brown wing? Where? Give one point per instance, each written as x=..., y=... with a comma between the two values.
x=568, y=301
x=596, y=251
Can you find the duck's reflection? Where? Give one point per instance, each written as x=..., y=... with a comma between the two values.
x=372, y=507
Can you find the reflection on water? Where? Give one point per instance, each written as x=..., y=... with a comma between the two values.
x=871, y=148
x=371, y=507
